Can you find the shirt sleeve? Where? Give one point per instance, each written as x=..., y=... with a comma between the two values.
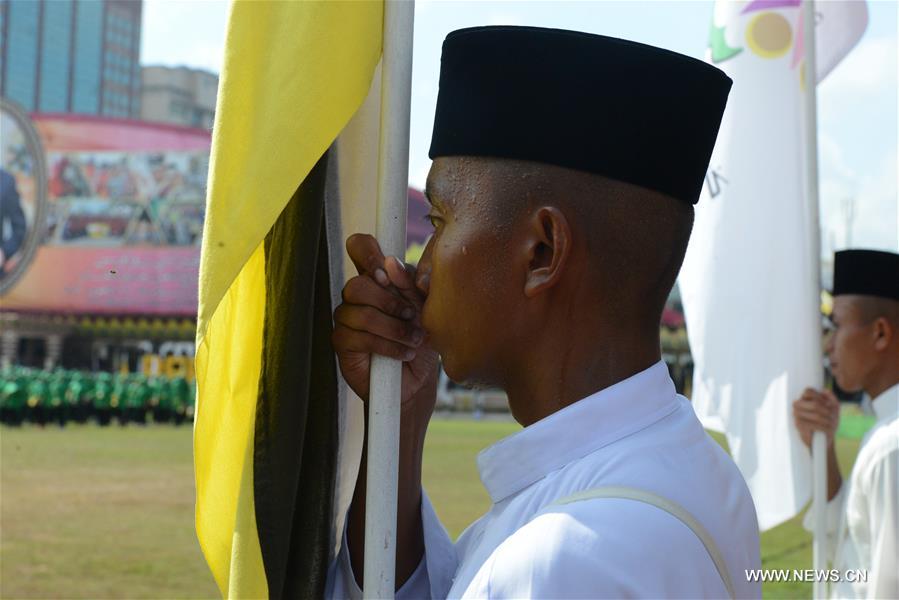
x=883, y=509
x=431, y=579
x=833, y=513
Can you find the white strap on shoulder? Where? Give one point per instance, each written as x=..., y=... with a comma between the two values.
x=675, y=510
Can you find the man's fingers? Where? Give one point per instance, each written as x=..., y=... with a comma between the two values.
x=365, y=252
x=813, y=409
x=821, y=404
x=371, y=320
x=362, y=290
x=812, y=394
x=810, y=403
x=399, y=275
x=804, y=423
x=351, y=340
x=815, y=426
x=823, y=421
x=403, y=280
x=811, y=397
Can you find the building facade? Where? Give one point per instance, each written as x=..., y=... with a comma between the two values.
x=72, y=56
x=178, y=96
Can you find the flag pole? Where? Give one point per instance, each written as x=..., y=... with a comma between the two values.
x=386, y=373
x=819, y=440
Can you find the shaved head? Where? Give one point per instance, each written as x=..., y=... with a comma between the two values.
x=871, y=308
x=532, y=264
x=635, y=238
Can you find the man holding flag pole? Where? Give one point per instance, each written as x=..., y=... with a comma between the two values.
x=583, y=186
x=612, y=489
x=745, y=268
x=862, y=514
x=866, y=296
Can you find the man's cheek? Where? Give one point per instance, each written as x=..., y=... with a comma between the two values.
x=433, y=316
x=838, y=345
x=427, y=319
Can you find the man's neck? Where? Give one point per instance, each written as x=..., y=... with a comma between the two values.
x=569, y=368
x=883, y=380
x=881, y=385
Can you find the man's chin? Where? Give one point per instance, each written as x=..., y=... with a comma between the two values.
x=465, y=376
x=850, y=387
x=452, y=369
x=458, y=373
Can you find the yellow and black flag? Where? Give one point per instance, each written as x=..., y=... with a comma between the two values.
x=277, y=436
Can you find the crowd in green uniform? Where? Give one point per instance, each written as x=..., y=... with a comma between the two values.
x=57, y=397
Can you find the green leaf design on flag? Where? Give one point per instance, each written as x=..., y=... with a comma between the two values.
x=717, y=44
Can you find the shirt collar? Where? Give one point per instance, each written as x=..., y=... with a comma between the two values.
x=886, y=405
x=606, y=416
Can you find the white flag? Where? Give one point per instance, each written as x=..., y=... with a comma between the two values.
x=748, y=279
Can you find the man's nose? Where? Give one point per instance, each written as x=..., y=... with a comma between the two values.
x=423, y=283
x=828, y=342
x=423, y=272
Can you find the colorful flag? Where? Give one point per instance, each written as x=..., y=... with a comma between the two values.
x=749, y=279
x=293, y=165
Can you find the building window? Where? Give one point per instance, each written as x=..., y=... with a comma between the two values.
x=21, y=52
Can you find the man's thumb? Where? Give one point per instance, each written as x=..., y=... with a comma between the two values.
x=402, y=279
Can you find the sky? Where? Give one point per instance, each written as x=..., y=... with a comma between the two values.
x=857, y=102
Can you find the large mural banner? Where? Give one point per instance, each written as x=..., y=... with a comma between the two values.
x=117, y=224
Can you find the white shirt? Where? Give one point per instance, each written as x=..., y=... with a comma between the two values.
x=863, y=518
x=637, y=433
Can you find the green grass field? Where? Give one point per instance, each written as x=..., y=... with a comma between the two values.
x=99, y=513
x=87, y=512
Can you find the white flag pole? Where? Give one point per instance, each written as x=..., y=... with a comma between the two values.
x=386, y=373
x=819, y=441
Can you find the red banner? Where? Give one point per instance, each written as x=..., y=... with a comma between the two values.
x=84, y=133
x=129, y=280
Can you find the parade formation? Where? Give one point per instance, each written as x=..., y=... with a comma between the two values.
x=45, y=398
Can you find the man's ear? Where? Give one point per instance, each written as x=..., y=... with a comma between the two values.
x=548, y=246
x=884, y=333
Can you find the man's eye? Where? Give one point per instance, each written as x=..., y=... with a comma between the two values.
x=433, y=220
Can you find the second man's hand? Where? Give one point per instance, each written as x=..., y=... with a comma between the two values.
x=816, y=411
x=820, y=411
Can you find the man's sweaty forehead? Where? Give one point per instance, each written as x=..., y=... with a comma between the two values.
x=440, y=183
x=430, y=194
x=455, y=178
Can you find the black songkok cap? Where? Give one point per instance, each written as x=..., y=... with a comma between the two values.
x=866, y=273
x=616, y=108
